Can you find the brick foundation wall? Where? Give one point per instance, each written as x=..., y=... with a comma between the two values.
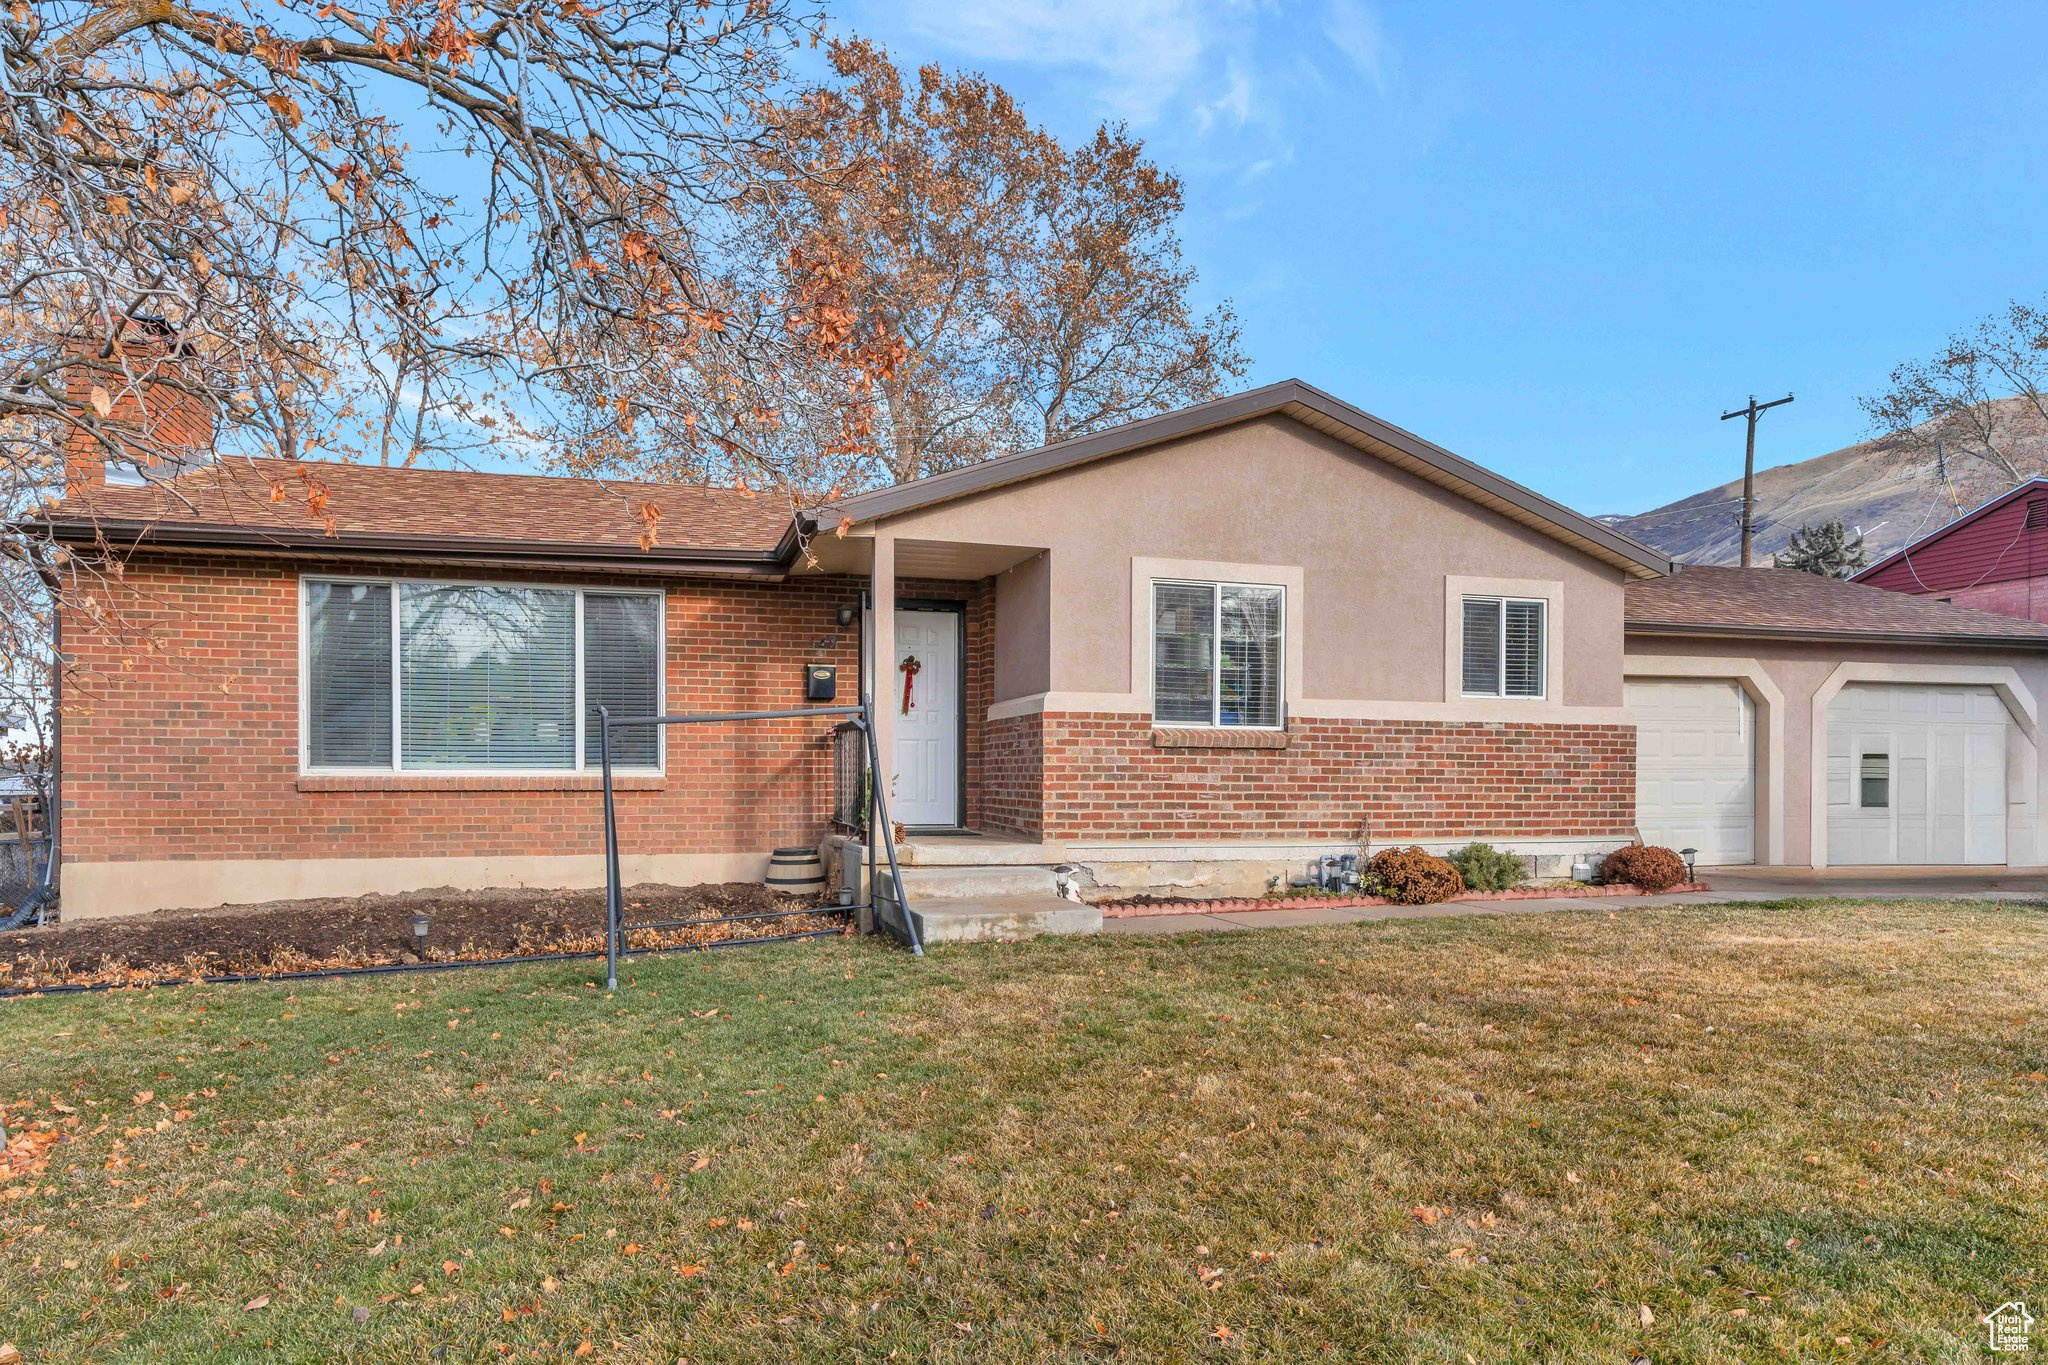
x=181, y=733
x=1013, y=770
x=1104, y=778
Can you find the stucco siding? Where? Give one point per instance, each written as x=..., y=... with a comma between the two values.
x=1375, y=547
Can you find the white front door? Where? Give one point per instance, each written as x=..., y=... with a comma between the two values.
x=1696, y=767
x=926, y=698
x=1916, y=774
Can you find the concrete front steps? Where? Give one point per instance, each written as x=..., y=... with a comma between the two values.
x=966, y=888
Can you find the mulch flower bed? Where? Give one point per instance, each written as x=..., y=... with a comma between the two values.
x=1131, y=906
x=363, y=931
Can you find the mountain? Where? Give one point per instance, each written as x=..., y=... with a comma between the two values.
x=1894, y=496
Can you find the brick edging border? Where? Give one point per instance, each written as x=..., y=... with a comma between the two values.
x=1132, y=910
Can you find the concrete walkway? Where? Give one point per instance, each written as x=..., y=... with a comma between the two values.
x=1733, y=884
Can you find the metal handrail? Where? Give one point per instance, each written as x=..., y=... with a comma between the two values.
x=862, y=716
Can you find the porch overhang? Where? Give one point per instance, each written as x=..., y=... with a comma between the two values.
x=854, y=553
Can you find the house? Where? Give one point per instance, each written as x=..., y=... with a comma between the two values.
x=1994, y=558
x=1196, y=651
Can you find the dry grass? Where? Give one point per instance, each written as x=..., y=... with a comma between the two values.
x=1788, y=1132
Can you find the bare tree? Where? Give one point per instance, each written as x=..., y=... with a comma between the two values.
x=1031, y=292
x=1984, y=387
x=1098, y=316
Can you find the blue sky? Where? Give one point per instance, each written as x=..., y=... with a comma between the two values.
x=1561, y=241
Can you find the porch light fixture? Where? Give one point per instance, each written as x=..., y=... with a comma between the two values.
x=1687, y=854
x=847, y=615
x=420, y=925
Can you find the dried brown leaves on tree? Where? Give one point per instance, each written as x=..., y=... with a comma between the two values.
x=1035, y=292
x=1983, y=397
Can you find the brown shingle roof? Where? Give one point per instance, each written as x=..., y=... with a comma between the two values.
x=1710, y=600
x=232, y=502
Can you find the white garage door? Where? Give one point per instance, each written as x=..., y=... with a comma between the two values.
x=1696, y=767
x=1916, y=775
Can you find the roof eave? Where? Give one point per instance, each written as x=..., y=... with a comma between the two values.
x=1805, y=633
x=127, y=534
x=1638, y=560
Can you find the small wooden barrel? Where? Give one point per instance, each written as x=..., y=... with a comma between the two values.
x=796, y=872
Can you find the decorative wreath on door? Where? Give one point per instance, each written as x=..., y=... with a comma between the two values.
x=911, y=668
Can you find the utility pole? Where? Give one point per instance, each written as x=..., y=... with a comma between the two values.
x=1752, y=412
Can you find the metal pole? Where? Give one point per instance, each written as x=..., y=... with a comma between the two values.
x=867, y=719
x=613, y=900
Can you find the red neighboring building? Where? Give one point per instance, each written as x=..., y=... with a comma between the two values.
x=1993, y=559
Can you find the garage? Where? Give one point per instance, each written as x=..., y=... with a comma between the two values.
x=1696, y=767
x=1916, y=775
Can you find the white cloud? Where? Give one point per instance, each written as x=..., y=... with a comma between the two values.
x=1355, y=31
x=1140, y=53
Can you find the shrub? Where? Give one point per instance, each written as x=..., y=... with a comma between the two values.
x=1408, y=876
x=1644, y=865
x=1486, y=868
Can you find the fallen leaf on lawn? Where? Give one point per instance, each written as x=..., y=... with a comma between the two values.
x=686, y=1271
x=630, y=1249
x=10, y=1354
x=585, y=1349
x=377, y=1250
x=700, y=1163
x=417, y=1290
x=1571, y=1177
x=550, y=1285
x=1222, y=1333
x=1644, y=1314
x=449, y=1268
x=143, y=1097
x=1425, y=1216
x=523, y=1201
x=260, y=1301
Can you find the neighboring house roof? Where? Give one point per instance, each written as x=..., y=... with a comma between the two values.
x=431, y=512
x=1787, y=604
x=2002, y=540
x=1306, y=404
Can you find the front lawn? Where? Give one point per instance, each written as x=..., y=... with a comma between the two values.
x=1804, y=1131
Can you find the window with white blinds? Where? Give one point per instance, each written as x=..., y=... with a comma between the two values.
x=1217, y=651
x=463, y=677
x=348, y=675
x=622, y=671
x=1503, y=647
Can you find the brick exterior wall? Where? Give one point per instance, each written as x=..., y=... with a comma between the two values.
x=181, y=734
x=1013, y=777
x=1105, y=778
x=181, y=741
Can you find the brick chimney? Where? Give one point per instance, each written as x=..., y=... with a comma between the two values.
x=152, y=420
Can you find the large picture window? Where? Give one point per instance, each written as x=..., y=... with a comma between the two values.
x=1216, y=654
x=462, y=677
x=1503, y=647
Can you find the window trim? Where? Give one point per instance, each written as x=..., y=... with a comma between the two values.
x=585, y=762
x=1216, y=587
x=1505, y=600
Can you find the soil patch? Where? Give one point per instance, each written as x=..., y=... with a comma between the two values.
x=361, y=931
